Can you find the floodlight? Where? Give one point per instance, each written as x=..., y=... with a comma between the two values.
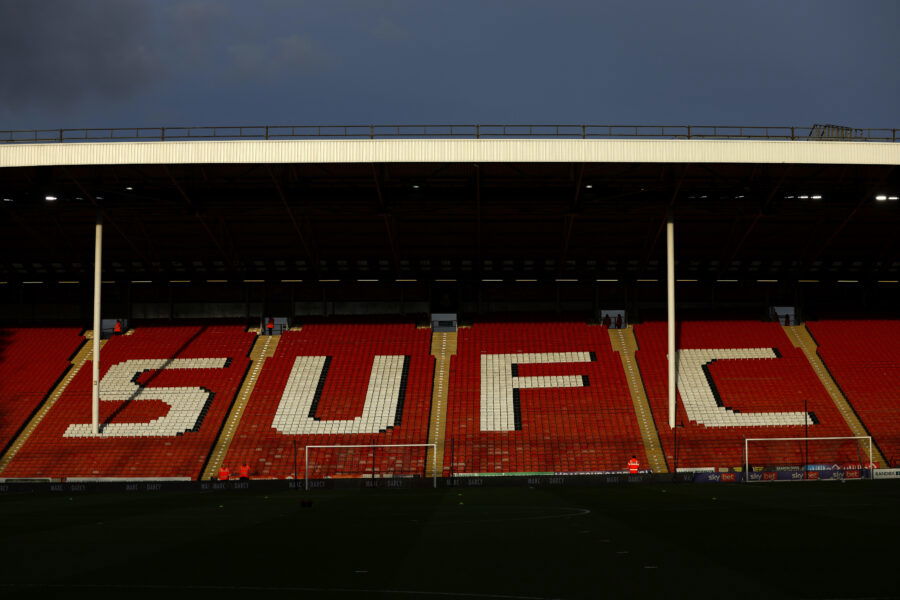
x=49, y=198
x=881, y=198
x=892, y=197
x=817, y=197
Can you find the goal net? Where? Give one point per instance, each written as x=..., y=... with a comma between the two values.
x=774, y=459
x=372, y=461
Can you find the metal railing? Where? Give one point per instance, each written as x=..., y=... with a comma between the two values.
x=278, y=132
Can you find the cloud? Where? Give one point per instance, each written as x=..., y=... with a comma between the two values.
x=57, y=53
x=389, y=31
x=280, y=57
x=300, y=52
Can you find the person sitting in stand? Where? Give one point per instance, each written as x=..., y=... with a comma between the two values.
x=224, y=473
x=244, y=472
x=117, y=328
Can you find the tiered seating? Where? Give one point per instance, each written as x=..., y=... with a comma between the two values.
x=32, y=360
x=738, y=379
x=339, y=384
x=538, y=397
x=864, y=358
x=165, y=429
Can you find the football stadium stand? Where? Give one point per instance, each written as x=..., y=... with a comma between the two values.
x=538, y=397
x=362, y=384
x=739, y=379
x=32, y=361
x=165, y=393
x=496, y=397
x=864, y=358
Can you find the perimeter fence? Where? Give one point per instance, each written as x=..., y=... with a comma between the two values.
x=486, y=131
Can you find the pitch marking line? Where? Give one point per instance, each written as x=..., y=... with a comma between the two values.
x=259, y=588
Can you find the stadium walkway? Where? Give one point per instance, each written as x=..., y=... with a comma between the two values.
x=802, y=339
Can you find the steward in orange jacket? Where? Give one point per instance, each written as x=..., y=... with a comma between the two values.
x=633, y=465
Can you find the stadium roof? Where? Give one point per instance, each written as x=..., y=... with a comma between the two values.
x=452, y=151
x=548, y=206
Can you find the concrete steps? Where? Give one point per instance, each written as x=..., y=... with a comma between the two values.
x=443, y=346
x=263, y=348
x=624, y=342
x=84, y=354
x=802, y=339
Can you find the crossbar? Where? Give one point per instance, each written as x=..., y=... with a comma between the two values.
x=307, y=448
x=803, y=439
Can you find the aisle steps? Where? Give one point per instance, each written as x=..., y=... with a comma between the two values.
x=802, y=339
x=443, y=346
x=81, y=357
x=263, y=348
x=624, y=342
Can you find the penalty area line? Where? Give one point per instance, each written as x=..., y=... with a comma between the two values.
x=260, y=588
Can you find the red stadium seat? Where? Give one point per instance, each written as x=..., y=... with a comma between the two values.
x=32, y=360
x=272, y=438
x=59, y=446
x=585, y=424
x=864, y=359
x=746, y=386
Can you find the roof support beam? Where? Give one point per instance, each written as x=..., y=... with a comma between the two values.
x=20, y=224
x=388, y=218
x=770, y=197
x=196, y=211
x=107, y=218
x=569, y=218
x=865, y=198
x=669, y=208
x=308, y=246
x=478, y=222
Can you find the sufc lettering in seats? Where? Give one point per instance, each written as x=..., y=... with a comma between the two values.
x=296, y=413
x=500, y=384
x=701, y=398
x=187, y=405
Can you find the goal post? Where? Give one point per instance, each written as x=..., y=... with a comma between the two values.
x=356, y=457
x=808, y=454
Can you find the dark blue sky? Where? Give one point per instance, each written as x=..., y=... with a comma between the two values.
x=101, y=63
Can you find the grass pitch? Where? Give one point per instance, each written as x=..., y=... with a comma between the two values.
x=778, y=540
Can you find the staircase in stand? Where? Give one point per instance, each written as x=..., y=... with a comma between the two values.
x=84, y=354
x=624, y=342
x=802, y=339
x=443, y=346
x=263, y=348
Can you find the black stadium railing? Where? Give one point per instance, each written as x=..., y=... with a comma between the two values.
x=277, y=132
